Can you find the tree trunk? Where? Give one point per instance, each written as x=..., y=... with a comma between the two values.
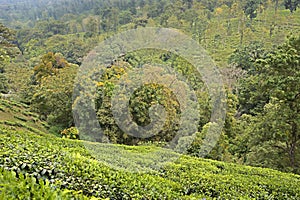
x=292, y=146
x=276, y=6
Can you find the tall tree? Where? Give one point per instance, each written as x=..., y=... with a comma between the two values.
x=275, y=133
x=52, y=90
x=49, y=65
x=276, y=5
x=250, y=8
x=7, y=36
x=244, y=58
x=292, y=5
x=7, y=39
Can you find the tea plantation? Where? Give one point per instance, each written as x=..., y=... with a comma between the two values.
x=37, y=165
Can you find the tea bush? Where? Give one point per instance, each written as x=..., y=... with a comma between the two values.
x=66, y=164
x=26, y=187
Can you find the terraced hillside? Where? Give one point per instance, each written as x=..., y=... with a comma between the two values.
x=17, y=116
x=37, y=165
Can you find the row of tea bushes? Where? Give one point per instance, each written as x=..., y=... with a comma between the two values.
x=230, y=181
x=19, y=116
x=67, y=164
x=27, y=188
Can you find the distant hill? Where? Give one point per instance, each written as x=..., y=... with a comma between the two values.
x=23, y=10
x=219, y=26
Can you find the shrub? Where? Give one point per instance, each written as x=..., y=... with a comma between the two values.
x=26, y=187
x=70, y=133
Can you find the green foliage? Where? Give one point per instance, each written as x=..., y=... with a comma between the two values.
x=292, y=5
x=3, y=83
x=246, y=56
x=262, y=121
x=49, y=65
x=7, y=36
x=70, y=133
x=66, y=164
x=7, y=52
x=250, y=101
x=74, y=49
x=64, y=32
x=152, y=94
x=18, y=117
x=26, y=187
x=251, y=96
x=250, y=8
x=274, y=132
x=52, y=96
x=148, y=95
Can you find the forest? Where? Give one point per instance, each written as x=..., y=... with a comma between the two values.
x=213, y=110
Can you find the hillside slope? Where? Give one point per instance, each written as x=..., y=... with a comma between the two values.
x=67, y=164
x=17, y=116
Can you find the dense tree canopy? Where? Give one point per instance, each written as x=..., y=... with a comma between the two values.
x=52, y=89
x=251, y=7
x=292, y=5
x=274, y=91
x=7, y=52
